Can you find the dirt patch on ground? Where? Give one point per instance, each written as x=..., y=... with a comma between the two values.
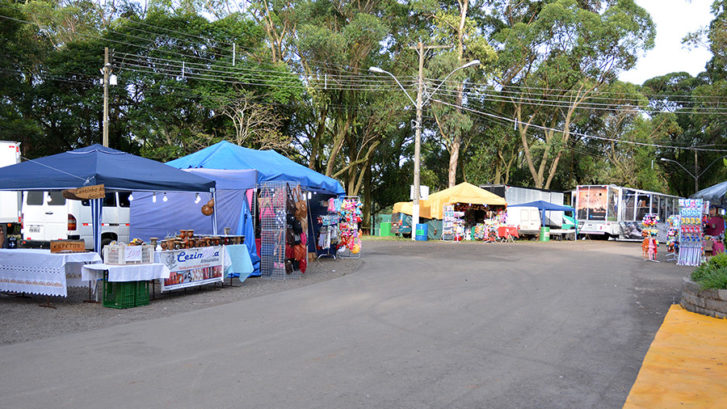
x=22, y=319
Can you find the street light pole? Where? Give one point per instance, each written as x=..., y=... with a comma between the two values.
x=419, y=104
x=695, y=175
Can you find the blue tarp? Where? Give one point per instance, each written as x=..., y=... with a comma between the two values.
x=544, y=206
x=270, y=165
x=164, y=218
x=94, y=165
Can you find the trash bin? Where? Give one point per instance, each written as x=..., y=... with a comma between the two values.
x=545, y=234
x=385, y=229
x=421, y=232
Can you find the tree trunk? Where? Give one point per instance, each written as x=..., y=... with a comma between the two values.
x=454, y=160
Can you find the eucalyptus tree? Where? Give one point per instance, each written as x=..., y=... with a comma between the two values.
x=554, y=57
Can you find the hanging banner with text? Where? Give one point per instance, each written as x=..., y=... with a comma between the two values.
x=192, y=267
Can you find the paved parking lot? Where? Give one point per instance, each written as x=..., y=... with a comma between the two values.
x=418, y=325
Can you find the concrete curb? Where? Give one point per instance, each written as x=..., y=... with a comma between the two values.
x=707, y=302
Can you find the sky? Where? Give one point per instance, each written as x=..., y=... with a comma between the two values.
x=674, y=19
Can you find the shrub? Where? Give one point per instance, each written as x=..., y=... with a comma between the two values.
x=716, y=279
x=712, y=274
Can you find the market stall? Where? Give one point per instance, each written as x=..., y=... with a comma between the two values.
x=232, y=210
x=95, y=165
x=271, y=167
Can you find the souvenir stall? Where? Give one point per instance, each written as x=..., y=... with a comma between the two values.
x=271, y=167
x=691, y=250
x=86, y=167
x=350, y=233
x=474, y=203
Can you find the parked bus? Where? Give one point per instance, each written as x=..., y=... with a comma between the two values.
x=610, y=211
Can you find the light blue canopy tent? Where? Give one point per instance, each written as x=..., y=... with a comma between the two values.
x=270, y=166
x=182, y=210
x=544, y=207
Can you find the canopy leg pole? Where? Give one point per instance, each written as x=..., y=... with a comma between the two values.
x=214, y=212
x=96, y=219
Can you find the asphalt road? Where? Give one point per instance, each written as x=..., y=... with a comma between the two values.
x=419, y=325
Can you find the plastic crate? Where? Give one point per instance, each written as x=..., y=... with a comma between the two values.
x=142, y=293
x=119, y=295
x=116, y=254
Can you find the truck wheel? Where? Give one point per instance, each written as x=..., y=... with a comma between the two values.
x=106, y=241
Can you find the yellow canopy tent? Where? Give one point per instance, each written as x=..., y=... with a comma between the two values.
x=407, y=208
x=462, y=193
x=432, y=208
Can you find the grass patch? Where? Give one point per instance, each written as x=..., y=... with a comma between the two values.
x=712, y=274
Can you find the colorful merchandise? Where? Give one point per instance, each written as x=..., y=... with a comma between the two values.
x=350, y=216
x=650, y=245
x=691, y=249
x=672, y=235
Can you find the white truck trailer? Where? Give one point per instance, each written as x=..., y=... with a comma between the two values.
x=10, y=202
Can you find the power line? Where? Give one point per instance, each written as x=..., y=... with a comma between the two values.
x=545, y=128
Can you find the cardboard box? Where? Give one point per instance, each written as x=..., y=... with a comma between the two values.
x=66, y=246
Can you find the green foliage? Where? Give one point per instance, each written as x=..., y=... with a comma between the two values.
x=712, y=274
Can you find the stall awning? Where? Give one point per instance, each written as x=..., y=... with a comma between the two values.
x=270, y=166
x=95, y=165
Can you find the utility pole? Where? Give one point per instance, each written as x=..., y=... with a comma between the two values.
x=420, y=48
x=420, y=101
x=106, y=73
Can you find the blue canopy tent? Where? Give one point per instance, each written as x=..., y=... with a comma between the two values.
x=270, y=166
x=232, y=209
x=96, y=164
x=544, y=206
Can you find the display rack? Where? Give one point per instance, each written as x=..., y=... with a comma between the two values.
x=328, y=233
x=448, y=223
x=691, y=250
x=272, y=199
x=350, y=217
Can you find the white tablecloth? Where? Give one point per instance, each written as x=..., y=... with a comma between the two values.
x=126, y=272
x=36, y=271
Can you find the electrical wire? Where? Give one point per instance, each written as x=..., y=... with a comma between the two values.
x=545, y=128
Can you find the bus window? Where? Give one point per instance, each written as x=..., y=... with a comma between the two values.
x=612, y=214
x=628, y=204
x=643, y=206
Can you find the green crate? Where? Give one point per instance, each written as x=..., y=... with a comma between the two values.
x=119, y=295
x=142, y=293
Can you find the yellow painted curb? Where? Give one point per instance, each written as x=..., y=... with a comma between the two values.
x=686, y=365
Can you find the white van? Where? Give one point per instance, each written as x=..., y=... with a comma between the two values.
x=526, y=218
x=49, y=216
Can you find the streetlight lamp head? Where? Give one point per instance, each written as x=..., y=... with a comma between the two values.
x=664, y=159
x=376, y=69
x=471, y=63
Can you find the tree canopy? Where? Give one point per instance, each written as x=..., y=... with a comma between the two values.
x=544, y=108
